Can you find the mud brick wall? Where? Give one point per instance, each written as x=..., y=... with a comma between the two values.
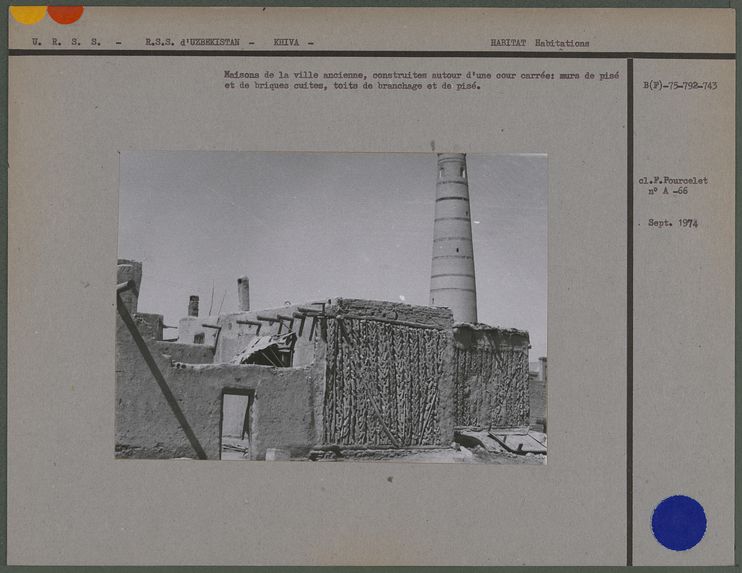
x=387, y=384
x=430, y=316
x=128, y=270
x=538, y=404
x=190, y=353
x=491, y=388
x=149, y=325
x=283, y=410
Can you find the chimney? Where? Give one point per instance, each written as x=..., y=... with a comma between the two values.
x=452, y=281
x=193, y=306
x=243, y=293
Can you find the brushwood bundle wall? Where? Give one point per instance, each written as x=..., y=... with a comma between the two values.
x=387, y=384
x=491, y=378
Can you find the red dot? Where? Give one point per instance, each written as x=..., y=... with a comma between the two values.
x=65, y=14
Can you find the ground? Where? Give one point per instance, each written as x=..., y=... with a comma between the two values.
x=460, y=454
x=233, y=448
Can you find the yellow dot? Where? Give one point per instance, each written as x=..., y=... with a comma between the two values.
x=27, y=14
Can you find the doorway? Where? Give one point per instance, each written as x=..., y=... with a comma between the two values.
x=237, y=421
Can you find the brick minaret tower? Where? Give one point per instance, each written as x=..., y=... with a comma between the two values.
x=452, y=281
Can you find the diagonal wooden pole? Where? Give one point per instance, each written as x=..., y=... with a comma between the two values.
x=159, y=378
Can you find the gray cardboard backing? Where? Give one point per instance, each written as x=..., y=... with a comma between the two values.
x=70, y=502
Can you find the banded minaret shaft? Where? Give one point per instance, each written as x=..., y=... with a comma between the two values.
x=452, y=281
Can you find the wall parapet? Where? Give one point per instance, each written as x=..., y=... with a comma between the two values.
x=491, y=377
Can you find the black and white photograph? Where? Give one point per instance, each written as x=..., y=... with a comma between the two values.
x=372, y=258
x=332, y=307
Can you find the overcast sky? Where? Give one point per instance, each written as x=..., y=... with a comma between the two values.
x=311, y=226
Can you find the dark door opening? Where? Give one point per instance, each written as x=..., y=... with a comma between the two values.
x=237, y=420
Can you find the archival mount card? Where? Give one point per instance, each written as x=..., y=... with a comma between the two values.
x=444, y=286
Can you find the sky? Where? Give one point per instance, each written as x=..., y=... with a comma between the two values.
x=311, y=226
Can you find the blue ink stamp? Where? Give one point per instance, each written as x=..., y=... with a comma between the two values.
x=679, y=522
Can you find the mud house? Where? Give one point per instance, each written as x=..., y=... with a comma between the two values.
x=313, y=380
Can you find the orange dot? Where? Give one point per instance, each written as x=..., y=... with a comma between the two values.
x=27, y=14
x=65, y=14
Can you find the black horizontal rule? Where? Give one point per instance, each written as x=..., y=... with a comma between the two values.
x=376, y=54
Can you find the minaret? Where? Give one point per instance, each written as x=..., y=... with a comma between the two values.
x=452, y=281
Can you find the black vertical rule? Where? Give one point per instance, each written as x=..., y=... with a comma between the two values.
x=629, y=309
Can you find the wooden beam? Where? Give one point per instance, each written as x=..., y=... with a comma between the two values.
x=159, y=378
